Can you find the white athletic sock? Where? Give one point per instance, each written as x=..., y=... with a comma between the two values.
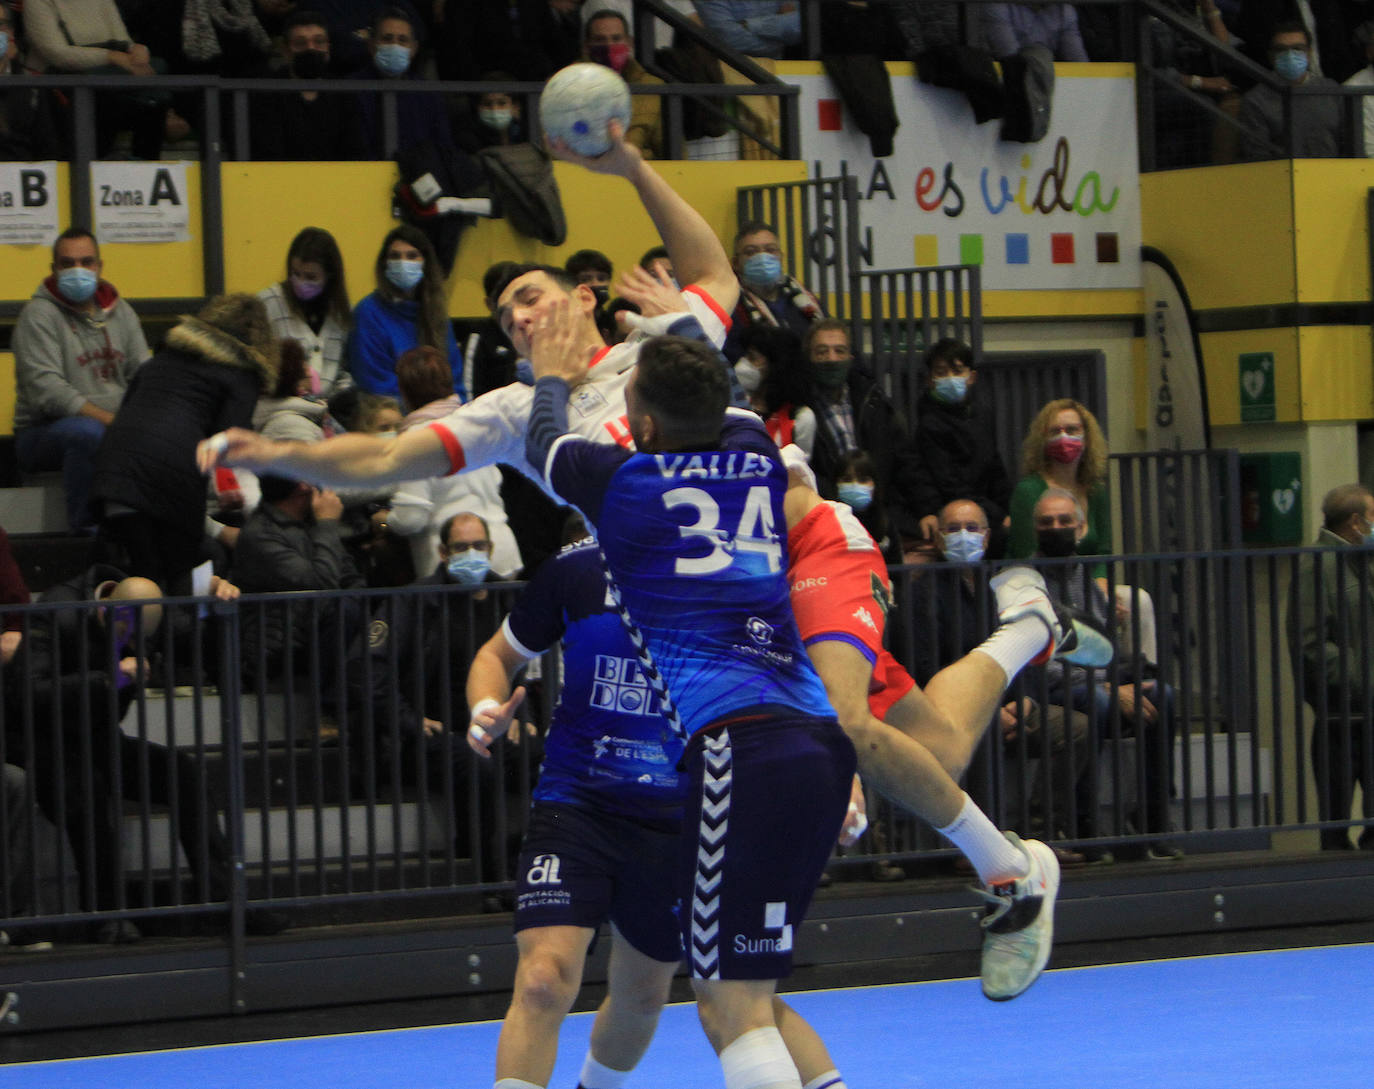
x=829, y=1080
x=516, y=1083
x=991, y=853
x=759, y=1060
x=1012, y=646
x=596, y=1076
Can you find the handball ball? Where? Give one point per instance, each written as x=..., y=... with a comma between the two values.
x=576, y=104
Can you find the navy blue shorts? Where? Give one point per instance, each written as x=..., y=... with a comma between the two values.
x=767, y=800
x=580, y=867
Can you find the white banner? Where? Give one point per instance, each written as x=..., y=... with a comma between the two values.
x=1061, y=213
x=28, y=203
x=140, y=202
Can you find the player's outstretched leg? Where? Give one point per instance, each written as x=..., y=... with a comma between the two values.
x=1018, y=930
x=1075, y=636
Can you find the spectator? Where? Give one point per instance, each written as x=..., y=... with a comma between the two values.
x=408, y=308
x=350, y=24
x=531, y=39
x=856, y=486
x=1181, y=126
x=656, y=260
x=1316, y=118
x=768, y=296
x=1330, y=618
x=956, y=444
x=955, y=611
x=1009, y=28
x=1364, y=37
x=853, y=413
x=776, y=375
x=500, y=117
x=305, y=126
x=488, y=359
x=30, y=128
x=751, y=27
x=1130, y=693
x=606, y=40
x=311, y=307
x=419, y=508
x=76, y=674
x=89, y=37
x=76, y=347
x=1064, y=448
x=13, y=591
x=924, y=26
x=206, y=378
x=421, y=117
x=593, y=268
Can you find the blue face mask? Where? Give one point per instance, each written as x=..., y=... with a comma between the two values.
x=404, y=275
x=1291, y=64
x=858, y=496
x=77, y=284
x=468, y=568
x=4, y=43
x=951, y=389
x=964, y=546
x=392, y=60
x=762, y=270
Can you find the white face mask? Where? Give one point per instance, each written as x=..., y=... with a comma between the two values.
x=749, y=375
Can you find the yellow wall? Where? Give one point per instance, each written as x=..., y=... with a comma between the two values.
x=1332, y=228
x=6, y=393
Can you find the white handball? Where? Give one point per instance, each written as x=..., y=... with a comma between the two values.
x=577, y=103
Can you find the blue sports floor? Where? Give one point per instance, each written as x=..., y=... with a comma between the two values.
x=1282, y=1019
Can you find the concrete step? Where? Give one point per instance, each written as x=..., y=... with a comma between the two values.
x=39, y=507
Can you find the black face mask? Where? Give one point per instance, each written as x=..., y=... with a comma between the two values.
x=602, y=293
x=310, y=64
x=1057, y=542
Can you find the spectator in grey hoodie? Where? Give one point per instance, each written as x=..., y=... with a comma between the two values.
x=76, y=346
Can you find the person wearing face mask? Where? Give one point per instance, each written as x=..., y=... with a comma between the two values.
x=955, y=610
x=776, y=375
x=409, y=308
x=309, y=126
x=606, y=40
x=77, y=345
x=1064, y=448
x=956, y=439
x=1129, y=691
x=768, y=295
x=1330, y=623
x=499, y=116
x=1316, y=118
x=853, y=414
x=310, y=306
x=420, y=117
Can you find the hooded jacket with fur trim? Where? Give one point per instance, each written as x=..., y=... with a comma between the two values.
x=202, y=381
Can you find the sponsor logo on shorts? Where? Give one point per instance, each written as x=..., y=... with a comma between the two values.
x=544, y=870
x=620, y=686
x=774, y=918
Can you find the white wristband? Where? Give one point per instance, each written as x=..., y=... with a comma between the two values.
x=484, y=705
x=862, y=826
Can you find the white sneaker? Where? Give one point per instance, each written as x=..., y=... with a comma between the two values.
x=1074, y=636
x=1018, y=930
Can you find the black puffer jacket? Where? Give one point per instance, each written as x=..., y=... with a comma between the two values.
x=201, y=382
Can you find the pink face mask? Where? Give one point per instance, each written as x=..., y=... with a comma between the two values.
x=1065, y=449
x=614, y=56
x=306, y=290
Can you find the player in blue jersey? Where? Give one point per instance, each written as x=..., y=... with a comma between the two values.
x=693, y=532
x=602, y=838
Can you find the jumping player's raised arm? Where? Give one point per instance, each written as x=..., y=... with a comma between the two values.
x=341, y=462
x=698, y=256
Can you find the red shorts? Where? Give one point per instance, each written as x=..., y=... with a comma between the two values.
x=840, y=590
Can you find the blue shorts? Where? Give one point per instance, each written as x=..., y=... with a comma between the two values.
x=582, y=867
x=767, y=800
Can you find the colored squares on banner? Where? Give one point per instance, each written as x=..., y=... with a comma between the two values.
x=829, y=115
x=970, y=249
x=1018, y=249
x=1108, y=249
x=927, y=250
x=1061, y=249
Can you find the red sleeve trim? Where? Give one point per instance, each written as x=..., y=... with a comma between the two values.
x=700, y=292
x=456, y=458
x=598, y=357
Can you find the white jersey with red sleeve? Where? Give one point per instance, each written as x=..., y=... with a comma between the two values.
x=491, y=429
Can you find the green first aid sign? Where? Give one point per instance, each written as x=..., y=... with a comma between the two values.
x=1257, y=387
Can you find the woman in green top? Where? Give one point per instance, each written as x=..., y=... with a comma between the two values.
x=1064, y=448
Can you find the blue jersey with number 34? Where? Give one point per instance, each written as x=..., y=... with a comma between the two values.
x=697, y=544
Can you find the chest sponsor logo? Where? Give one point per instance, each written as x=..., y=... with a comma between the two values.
x=620, y=686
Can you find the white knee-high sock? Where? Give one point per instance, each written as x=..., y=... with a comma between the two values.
x=759, y=1060
x=829, y=1080
x=516, y=1083
x=597, y=1076
x=1014, y=645
x=991, y=853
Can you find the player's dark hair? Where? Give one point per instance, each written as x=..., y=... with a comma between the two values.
x=560, y=276
x=682, y=385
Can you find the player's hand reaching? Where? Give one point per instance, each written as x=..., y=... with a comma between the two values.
x=856, y=819
x=652, y=291
x=237, y=446
x=557, y=341
x=623, y=159
x=491, y=720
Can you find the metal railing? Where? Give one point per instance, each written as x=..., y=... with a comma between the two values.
x=293, y=720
